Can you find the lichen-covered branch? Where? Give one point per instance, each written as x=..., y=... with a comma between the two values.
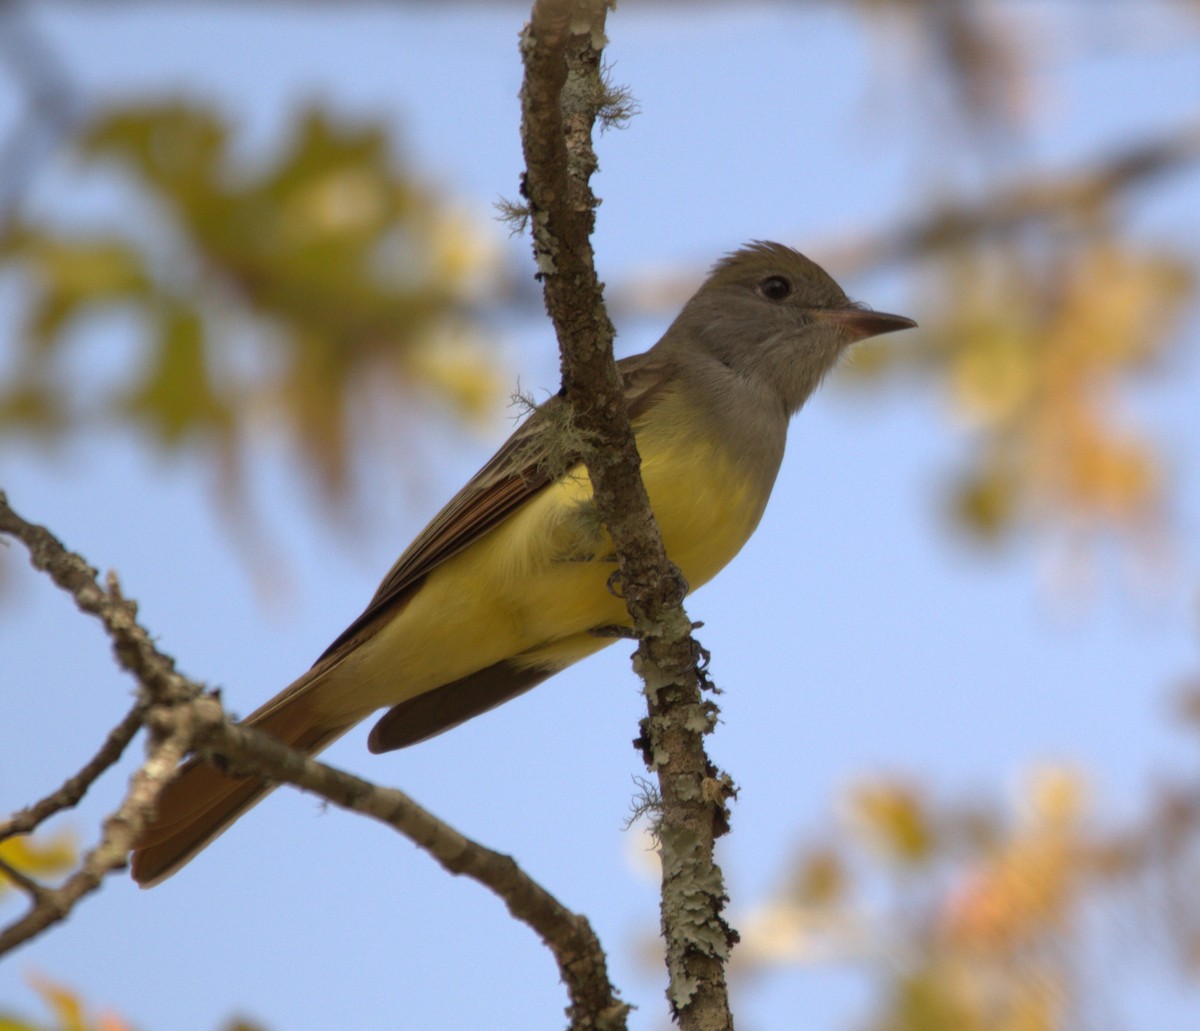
x=166, y=702
x=562, y=93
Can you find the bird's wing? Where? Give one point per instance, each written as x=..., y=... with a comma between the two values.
x=525, y=464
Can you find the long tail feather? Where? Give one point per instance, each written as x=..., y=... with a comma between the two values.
x=202, y=802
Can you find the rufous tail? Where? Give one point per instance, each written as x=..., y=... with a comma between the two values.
x=202, y=801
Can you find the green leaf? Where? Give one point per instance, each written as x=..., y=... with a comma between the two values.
x=168, y=145
x=176, y=397
x=33, y=407
x=72, y=276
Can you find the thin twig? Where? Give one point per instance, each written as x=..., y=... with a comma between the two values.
x=1040, y=197
x=75, y=787
x=134, y=649
x=168, y=703
x=119, y=834
x=27, y=884
x=1081, y=192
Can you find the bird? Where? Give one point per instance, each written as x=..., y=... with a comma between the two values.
x=510, y=582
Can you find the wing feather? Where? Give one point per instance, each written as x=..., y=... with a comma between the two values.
x=524, y=465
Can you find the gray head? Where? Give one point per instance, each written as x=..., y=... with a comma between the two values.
x=770, y=314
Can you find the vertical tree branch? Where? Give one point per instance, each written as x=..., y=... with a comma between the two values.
x=561, y=96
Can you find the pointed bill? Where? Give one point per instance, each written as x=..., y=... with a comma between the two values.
x=859, y=324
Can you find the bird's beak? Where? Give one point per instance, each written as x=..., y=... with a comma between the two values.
x=858, y=324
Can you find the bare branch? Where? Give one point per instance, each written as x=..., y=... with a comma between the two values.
x=27, y=884
x=119, y=834
x=74, y=788
x=568, y=935
x=169, y=704
x=561, y=96
x=182, y=718
x=155, y=672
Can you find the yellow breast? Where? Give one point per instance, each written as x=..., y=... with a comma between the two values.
x=534, y=587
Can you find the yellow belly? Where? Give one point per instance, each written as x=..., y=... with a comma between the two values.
x=534, y=587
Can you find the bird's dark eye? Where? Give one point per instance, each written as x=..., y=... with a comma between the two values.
x=775, y=288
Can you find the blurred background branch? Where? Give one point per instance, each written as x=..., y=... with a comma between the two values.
x=50, y=104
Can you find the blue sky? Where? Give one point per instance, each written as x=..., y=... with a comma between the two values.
x=852, y=634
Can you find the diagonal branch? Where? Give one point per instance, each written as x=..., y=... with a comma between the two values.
x=119, y=834
x=183, y=718
x=75, y=787
x=134, y=649
x=561, y=96
x=1041, y=197
x=1076, y=193
x=568, y=935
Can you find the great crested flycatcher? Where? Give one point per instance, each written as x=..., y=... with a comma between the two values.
x=509, y=582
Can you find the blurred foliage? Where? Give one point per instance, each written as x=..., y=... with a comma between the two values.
x=301, y=288
x=69, y=1013
x=970, y=47
x=982, y=917
x=37, y=856
x=320, y=286
x=67, y=1010
x=1035, y=356
x=1041, y=306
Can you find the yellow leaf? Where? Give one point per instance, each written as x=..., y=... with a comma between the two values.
x=992, y=375
x=68, y=1009
x=894, y=817
x=455, y=364
x=34, y=407
x=39, y=856
x=343, y=200
x=987, y=502
x=73, y=277
x=176, y=396
x=820, y=879
x=1057, y=797
x=64, y=1003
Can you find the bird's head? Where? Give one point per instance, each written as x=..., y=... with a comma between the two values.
x=768, y=312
